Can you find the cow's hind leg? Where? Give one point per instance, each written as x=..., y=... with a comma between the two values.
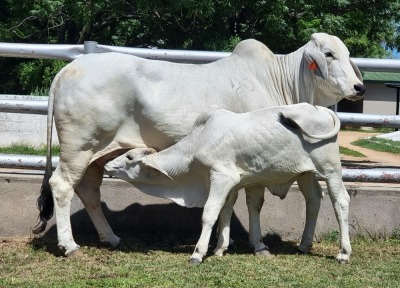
x=88, y=191
x=255, y=201
x=312, y=192
x=340, y=201
x=65, y=178
x=221, y=185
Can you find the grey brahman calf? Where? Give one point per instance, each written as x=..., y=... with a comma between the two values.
x=226, y=151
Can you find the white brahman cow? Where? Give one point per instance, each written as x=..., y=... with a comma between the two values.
x=227, y=151
x=106, y=104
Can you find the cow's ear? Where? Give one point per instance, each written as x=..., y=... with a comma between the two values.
x=316, y=61
x=147, y=161
x=356, y=70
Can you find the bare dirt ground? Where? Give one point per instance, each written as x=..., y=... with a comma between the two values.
x=373, y=158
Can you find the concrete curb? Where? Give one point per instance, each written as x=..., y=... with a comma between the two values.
x=374, y=210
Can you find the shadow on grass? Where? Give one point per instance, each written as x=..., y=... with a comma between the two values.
x=165, y=227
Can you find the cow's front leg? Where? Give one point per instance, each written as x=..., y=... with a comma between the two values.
x=340, y=201
x=312, y=192
x=88, y=191
x=255, y=201
x=224, y=224
x=221, y=185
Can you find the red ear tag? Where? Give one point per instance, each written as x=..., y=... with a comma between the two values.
x=313, y=65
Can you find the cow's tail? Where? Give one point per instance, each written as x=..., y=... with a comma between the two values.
x=329, y=135
x=45, y=201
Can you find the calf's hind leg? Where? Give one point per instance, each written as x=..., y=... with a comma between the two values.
x=88, y=191
x=340, y=201
x=312, y=192
x=255, y=201
x=224, y=224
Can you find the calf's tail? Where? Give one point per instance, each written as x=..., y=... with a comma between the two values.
x=45, y=201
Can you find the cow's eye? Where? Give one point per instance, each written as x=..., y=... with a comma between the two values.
x=329, y=54
x=129, y=157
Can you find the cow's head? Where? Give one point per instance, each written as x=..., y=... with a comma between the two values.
x=328, y=58
x=130, y=167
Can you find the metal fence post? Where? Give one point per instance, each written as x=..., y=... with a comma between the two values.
x=90, y=47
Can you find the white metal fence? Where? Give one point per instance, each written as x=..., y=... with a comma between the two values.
x=70, y=52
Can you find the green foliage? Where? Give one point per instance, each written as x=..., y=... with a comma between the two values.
x=367, y=27
x=379, y=144
x=38, y=73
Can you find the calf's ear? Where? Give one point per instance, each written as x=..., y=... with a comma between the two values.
x=316, y=61
x=154, y=165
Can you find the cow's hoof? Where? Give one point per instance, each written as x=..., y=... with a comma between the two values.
x=264, y=252
x=303, y=249
x=299, y=252
x=194, y=261
x=120, y=246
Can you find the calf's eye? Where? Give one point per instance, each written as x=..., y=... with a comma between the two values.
x=129, y=157
x=329, y=54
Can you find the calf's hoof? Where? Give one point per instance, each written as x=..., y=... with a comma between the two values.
x=343, y=258
x=219, y=252
x=73, y=252
x=194, y=261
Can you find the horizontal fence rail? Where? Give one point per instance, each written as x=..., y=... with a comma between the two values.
x=71, y=52
x=374, y=175
x=369, y=120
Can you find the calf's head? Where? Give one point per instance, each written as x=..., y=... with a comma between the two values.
x=131, y=168
x=329, y=59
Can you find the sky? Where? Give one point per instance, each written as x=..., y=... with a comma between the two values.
x=396, y=54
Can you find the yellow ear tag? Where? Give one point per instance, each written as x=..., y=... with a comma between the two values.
x=313, y=65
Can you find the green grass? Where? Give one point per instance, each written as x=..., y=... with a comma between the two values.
x=379, y=144
x=28, y=149
x=161, y=261
x=381, y=130
x=350, y=152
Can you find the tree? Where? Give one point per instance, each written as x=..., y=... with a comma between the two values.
x=367, y=27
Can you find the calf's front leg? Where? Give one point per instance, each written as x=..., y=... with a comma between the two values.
x=221, y=185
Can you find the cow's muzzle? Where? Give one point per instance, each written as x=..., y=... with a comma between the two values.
x=360, y=88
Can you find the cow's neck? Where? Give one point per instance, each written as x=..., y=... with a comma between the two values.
x=298, y=81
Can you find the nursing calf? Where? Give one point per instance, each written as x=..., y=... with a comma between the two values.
x=226, y=151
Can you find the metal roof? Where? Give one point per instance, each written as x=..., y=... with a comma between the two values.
x=381, y=76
